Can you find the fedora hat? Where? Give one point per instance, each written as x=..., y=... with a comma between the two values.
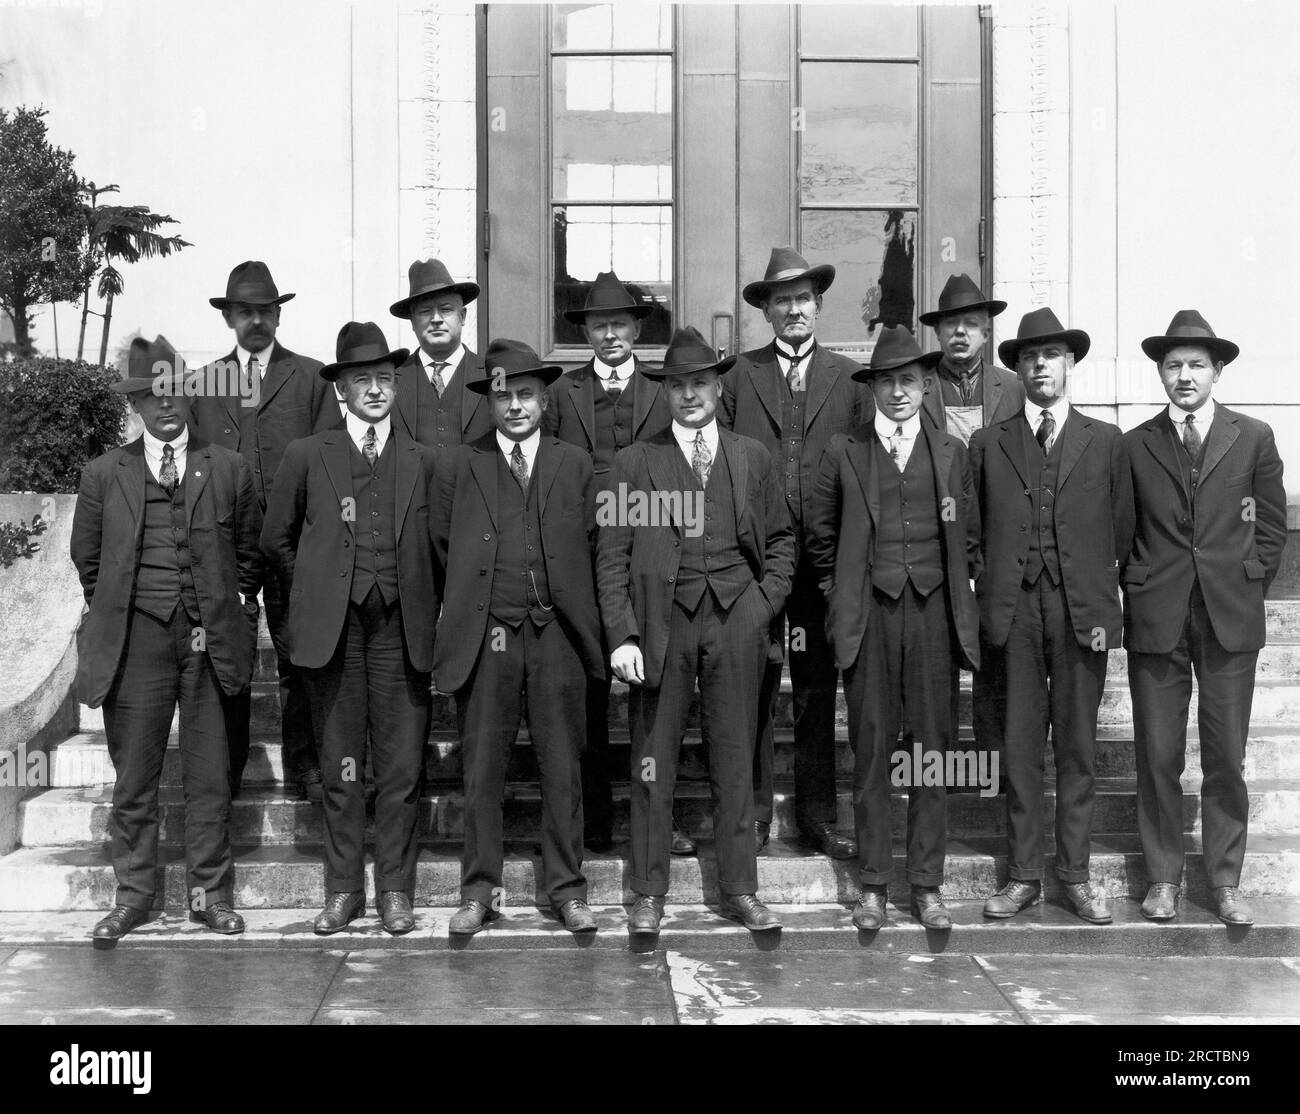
x=359, y=345
x=896, y=347
x=608, y=295
x=688, y=352
x=787, y=265
x=251, y=283
x=960, y=293
x=506, y=358
x=430, y=276
x=1039, y=326
x=1189, y=327
x=154, y=366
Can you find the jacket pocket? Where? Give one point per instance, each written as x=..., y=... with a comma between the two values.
x=1254, y=569
x=1136, y=574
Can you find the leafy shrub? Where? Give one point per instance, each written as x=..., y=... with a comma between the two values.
x=16, y=539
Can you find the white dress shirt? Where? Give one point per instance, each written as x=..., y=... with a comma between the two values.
x=1204, y=419
x=452, y=362
x=887, y=427
x=528, y=446
x=357, y=431
x=1060, y=410
x=263, y=359
x=604, y=371
x=784, y=363
x=686, y=440
x=153, y=452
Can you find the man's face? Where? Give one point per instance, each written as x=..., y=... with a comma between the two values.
x=1043, y=369
x=899, y=391
x=1189, y=373
x=791, y=309
x=693, y=398
x=962, y=335
x=518, y=407
x=437, y=321
x=254, y=325
x=611, y=335
x=164, y=414
x=368, y=391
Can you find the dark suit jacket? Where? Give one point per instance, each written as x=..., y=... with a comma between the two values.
x=465, y=538
x=294, y=401
x=1240, y=529
x=571, y=415
x=224, y=520
x=1003, y=393
x=1093, y=517
x=636, y=567
x=475, y=410
x=309, y=542
x=751, y=405
x=841, y=517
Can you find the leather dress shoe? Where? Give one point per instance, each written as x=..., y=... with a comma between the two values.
x=1230, y=908
x=1090, y=904
x=221, y=917
x=749, y=911
x=869, y=912
x=1012, y=898
x=824, y=838
x=577, y=916
x=340, y=910
x=646, y=913
x=396, y=912
x=119, y=922
x=762, y=830
x=1161, y=902
x=681, y=844
x=928, y=906
x=470, y=917
x=310, y=786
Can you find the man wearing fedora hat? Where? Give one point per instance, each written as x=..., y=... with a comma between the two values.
x=1211, y=525
x=514, y=530
x=347, y=533
x=793, y=396
x=692, y=599
x=256, y=401
x=1056, y=514
x=893, y=531
x=602, y=407
x=433, y=405
x=164, y=539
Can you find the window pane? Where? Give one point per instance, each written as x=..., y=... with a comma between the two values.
x=612, y=128
x=870, y=30
x=875, y=271
x=624, y=26
x=860, y=139
x=634, y=241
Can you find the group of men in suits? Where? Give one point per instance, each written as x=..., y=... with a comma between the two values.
x=927, y=512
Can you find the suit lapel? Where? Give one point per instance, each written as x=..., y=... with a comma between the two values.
x=583, y=393
x=941, y=456
x=230, y=399
x=198, y=466
x=545, y=469
x=1223, y=432
x=338, y=466
x=932, y=401
x=469, y=400
x=992, y=393
x=644, y=391
x=738, y=463
x=862, y=456
x=408, y=473
x=132, y=473
x=484, y=467
x=819, y=385
x=1159, y=440
x=1012, y=438
x=765, y=379
x=277, y=375
x=407, y=390
x=660, y=466
x=1078, y=436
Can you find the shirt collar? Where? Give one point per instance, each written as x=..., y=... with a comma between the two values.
x=1204, y=416
x=357, y=430
x=529, y=446
x=153, y=450
x=955, y=376
x=885, y=427
x=263, y=357
x=1060, y=410
x=452, y=362
x=783, y=349
x=604, y=371
x=686, y=435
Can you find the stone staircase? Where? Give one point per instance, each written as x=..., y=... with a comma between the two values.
x=60, y=878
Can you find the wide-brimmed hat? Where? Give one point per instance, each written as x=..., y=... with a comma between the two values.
x=1038, y=327
x=960, y=293
x=787, y=265
x=688, y=352
x=504, y=359
x=154, y=366
x=430, y=276
x=1189, y=327
x=608, y=295
x=251, y=283
x=359, y=345
x=896, y=347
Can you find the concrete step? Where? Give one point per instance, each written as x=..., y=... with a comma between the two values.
x=81, y=877
x=1047, y=929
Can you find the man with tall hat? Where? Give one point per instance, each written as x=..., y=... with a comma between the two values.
x=256, y=401
x=690, y=593
x=514, y=530
x=347, y=532
x=1056, y=514
x=792, y=396
x=893, y=531
x=433, y=405
x=164, y=539
x=1211, y=524
x=602, y=407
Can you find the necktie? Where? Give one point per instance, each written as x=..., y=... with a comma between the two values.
x=435, y=377
x=519, y=466
x=368, y=449
x=896, y=448
x=1191, y=436
x=1046, y=432
x=794, y=377
x=167, y=474
x=613, y=387
x=253, y=375
x=701, y=460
